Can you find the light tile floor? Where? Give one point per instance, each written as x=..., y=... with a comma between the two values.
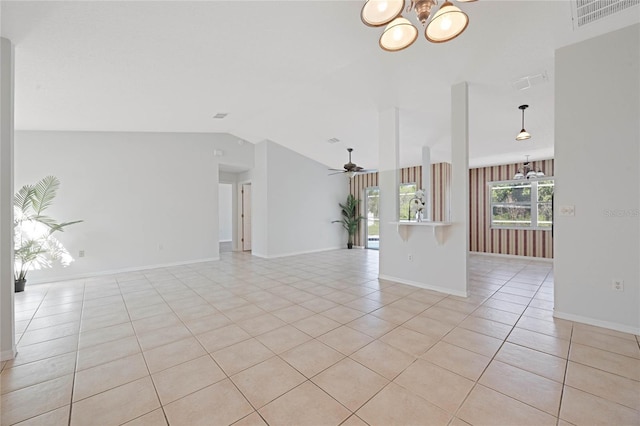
x=312, y=340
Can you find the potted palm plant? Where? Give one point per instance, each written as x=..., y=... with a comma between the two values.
x=350, y=218
x=35, y=247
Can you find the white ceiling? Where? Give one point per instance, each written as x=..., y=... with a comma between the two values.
x=295, y=72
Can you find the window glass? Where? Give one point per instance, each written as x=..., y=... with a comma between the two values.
x=407, y=193
x=518, y=204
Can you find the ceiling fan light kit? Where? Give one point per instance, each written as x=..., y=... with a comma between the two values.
x=447, y=23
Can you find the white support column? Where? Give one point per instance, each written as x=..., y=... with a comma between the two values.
x=426, y=180
x=460, y=174
x=388, y=207
x=7, y=317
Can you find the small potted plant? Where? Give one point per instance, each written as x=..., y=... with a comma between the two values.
x=35, y=247
x=350, y=218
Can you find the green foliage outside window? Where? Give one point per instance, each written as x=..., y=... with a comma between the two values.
x=522, y=204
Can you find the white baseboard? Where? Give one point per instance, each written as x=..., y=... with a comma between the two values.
x=512, y=256
x=295, y=253
x=119, y=271
x=8, y=354
x=439, y=289
x=598, y=323
x=224, y=241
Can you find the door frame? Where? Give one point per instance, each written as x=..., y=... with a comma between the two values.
x=240, y=236
x=366, y=215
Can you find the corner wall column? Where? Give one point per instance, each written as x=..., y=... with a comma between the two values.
x=7, y=317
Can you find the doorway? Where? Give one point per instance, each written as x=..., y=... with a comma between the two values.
x=372, y=230
x=245, y=216
x=225, y=217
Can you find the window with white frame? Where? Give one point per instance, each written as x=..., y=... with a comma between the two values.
x=407, y=192
x=521, y=204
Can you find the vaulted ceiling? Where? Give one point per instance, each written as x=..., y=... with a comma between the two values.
x=295, y=72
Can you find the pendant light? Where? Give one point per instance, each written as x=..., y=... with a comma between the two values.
x=523, y=135
x=448, y=23
x=376, y=13
x=398, y=35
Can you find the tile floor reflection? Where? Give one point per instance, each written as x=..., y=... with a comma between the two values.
x=312, y=340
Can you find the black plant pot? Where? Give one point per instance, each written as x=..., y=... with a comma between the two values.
x=19, y=285
x=349, y=246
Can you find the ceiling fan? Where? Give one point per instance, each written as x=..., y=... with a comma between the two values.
x=351, y=168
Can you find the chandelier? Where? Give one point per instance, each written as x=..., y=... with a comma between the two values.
x=528, y=172
x=447, y=23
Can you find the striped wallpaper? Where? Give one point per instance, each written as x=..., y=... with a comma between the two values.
x=440, y=187
x=502, y=241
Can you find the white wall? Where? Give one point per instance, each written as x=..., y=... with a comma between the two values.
x=225, y=211
x=7, y=317
x=146, y=198
x=293, y=203
x=434, y=266
x=260, y=202
x=597, y=170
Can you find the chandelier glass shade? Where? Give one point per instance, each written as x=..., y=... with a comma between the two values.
x=398, y=35
x=376, y=13
x=446, y=24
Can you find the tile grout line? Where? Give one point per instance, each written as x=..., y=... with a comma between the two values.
x=75, y=365
x=477, y=381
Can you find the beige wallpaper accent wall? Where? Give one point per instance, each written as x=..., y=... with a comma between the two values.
x=503, y=241
x=440, y=187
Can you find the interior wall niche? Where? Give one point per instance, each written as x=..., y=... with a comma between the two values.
x=440, y=191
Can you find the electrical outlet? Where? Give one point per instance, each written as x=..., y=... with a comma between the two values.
x=410, y=258
x=617, y=285
x=81, y=253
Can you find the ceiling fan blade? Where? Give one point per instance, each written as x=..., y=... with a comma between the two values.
x=336, y=170
x=336, y=173
x=364, y=171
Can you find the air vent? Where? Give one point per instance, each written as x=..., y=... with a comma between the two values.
x=333, y=140
x=529, y=81
x=588, y=11
x=221, y=115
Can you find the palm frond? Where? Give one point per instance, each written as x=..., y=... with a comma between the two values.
x=44, y=193
x=23, y=199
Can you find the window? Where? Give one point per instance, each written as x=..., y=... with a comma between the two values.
x=407, y=193
x=521, y=204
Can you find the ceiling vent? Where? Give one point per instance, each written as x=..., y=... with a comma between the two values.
x=333, y=140
x=588, y=11
x=221, y=115
x=529, y=81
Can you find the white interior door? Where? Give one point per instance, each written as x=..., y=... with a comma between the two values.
x=246, y=216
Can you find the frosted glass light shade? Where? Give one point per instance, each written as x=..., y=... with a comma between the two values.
x=448, y=23
x=523, y=135
x=519, y=175
x=398, y=35
x=376, y=13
